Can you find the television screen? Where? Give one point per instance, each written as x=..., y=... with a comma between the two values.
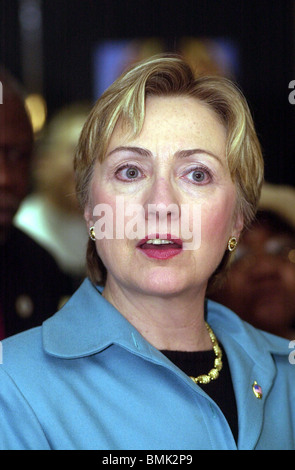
x=206, y=56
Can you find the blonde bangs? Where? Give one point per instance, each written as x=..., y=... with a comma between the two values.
x=124, y=102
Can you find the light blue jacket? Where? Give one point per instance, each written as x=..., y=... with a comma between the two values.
x=87, y=379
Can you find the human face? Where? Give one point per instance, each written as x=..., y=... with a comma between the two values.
x=261, y=286
x=178, y=158
x=15, y=149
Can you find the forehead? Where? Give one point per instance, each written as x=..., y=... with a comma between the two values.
x=176, y=121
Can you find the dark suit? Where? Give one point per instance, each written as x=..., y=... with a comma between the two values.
x=32, y=287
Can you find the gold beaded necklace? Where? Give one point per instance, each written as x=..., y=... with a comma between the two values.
x=213, y=373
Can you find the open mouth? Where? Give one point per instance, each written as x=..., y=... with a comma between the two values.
x=160, y=246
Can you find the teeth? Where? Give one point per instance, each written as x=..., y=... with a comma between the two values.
x=159, y=241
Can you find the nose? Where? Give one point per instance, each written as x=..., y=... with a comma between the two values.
x=161, y=204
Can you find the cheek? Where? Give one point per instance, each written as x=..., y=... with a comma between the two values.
x=101, y=196
x=123, y=214
x=217, y=222
x=115, y=255
x=103, y=207
x=289, y=277
x=107, y=250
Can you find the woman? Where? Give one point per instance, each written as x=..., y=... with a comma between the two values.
x=168, y=172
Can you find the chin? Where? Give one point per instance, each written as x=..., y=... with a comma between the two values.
x=163, y=283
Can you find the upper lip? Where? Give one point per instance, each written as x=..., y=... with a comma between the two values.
x=166, y=236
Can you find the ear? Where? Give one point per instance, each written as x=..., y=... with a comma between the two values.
x=88, y=215
x=238, y=225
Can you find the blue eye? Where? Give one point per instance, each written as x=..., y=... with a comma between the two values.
x=128, y=173
x=131, y=173
x=198, y=175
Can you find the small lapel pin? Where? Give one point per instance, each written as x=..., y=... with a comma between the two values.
x=257, y=390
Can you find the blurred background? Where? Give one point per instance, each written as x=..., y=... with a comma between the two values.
x=67, y=51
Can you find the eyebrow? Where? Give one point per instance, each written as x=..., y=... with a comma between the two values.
x=139, y=150
x=179, y=154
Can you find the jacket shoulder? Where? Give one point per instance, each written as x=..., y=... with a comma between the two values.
x=248, y=336
x=21, y=350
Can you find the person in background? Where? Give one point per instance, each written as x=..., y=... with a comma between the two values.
x=260, y=283
x=50, y=214
x=32, y=287
x=137, y=358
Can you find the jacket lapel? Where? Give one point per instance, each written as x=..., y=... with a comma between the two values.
x=250, y=406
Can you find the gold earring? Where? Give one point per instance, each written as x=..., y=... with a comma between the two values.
x=92, y=233
x=232, y=244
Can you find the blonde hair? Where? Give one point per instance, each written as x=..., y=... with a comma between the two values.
x=171, y=76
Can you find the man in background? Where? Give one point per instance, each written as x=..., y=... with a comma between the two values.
x=31, y=286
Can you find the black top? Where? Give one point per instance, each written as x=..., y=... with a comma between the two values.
x=220, y=390
x=32, y=287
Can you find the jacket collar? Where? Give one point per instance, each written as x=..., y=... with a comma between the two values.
x=248, y=340
x=88, y=324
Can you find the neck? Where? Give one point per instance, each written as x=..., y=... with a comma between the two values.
x=173, y=322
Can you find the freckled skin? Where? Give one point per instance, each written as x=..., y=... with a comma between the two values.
x=172, y=125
